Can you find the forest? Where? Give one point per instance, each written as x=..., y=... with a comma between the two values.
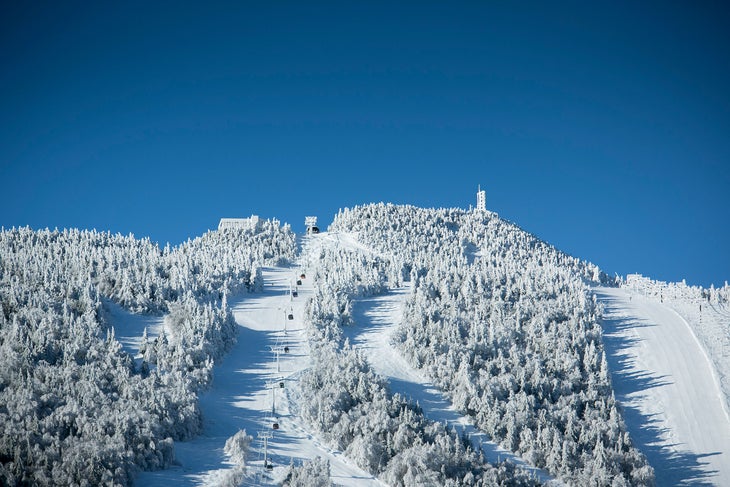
x=507, y=326
x=350, y=406
x=502, y=322
x=75, y=408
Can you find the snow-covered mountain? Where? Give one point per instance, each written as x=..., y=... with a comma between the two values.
x=404, y=346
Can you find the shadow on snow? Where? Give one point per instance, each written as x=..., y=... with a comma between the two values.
x=671, y=467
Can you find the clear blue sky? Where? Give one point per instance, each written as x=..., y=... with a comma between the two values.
x=603, y=128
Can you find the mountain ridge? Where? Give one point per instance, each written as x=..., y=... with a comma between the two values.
x=505, y=324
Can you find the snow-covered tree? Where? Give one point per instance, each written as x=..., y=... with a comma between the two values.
x=74, y=408
x=505, y=324
x=350, y=406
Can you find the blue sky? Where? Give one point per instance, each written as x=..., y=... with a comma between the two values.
x=603, y=128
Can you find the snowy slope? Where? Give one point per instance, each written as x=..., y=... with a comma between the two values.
x=129, y=327
x=668, y=388
x=241, y=397
x=711, y=324
x=376, y=318
x=707, y=311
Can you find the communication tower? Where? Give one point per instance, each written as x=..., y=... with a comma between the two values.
x=481, y=199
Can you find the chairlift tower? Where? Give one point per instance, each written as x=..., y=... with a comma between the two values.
x=287, y=316
x=311, y=223
x=275, y=350
x=481, y=199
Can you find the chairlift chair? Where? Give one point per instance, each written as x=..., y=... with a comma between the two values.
x=299, y=282
x=291, y=316
x=286, y=349
x=275, y=426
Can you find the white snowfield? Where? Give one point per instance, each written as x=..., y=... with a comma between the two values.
x=668, y=388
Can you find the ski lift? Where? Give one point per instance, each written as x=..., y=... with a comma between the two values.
x=299, y=282
x=281, y=384
x=294, y=294
x=275, y=426
x=269, y=466
x=291, y=316
x=286, y=349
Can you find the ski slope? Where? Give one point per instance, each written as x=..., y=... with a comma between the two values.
x=375, y=320
x=662, y=378
x=671, y=398
x=245, y=394
x=711, y=325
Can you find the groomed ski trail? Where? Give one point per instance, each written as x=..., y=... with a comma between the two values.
x=246, y=390
x=667, y=387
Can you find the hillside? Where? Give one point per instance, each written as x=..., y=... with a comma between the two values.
x=423, y=347
x=76, y=407
x=507, y=327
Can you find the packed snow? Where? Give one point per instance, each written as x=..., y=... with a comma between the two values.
x=668, y=389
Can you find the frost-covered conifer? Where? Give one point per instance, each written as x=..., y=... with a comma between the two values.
x=350, y=406
x=312, y=473
x=505, y=324
x=74, y=408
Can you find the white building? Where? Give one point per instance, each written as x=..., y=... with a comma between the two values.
x=251, y=223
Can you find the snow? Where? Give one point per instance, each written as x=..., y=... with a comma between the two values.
x=375, y=320
x=670, y=394
x=667, y=386
x=241, y=397
x=711, y=325
x=347, y=240
x=705, y=310
x=129, y=327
